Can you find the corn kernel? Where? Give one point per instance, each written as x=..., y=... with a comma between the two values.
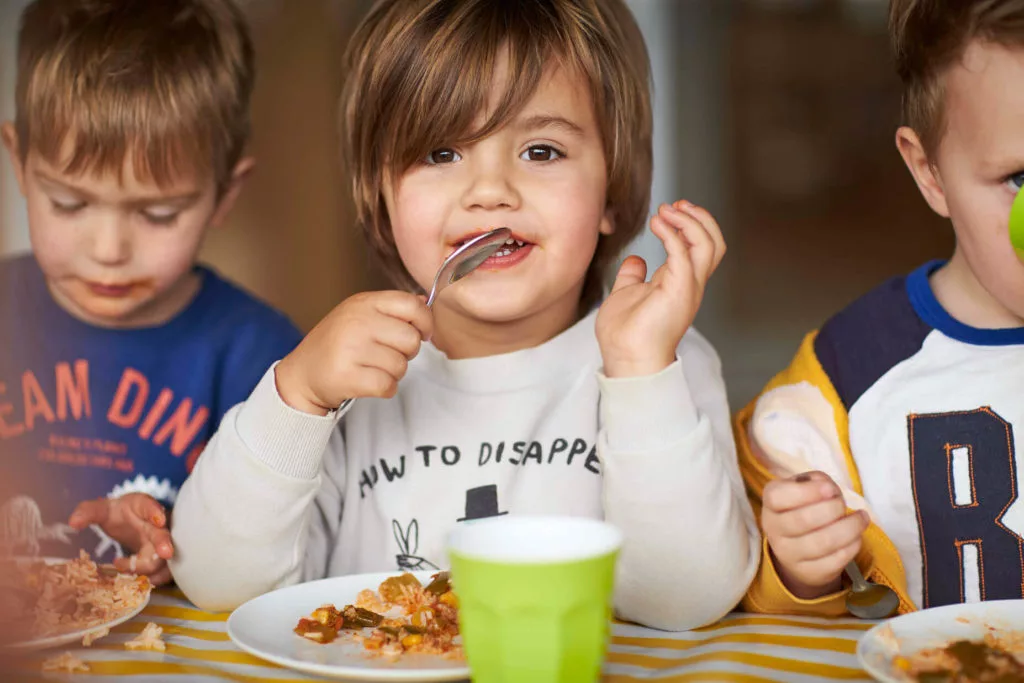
x=411, y=640
x=422, y=618
x=449, y=599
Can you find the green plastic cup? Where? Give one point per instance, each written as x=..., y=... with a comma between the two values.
x=1017, y=224
x=535, y=597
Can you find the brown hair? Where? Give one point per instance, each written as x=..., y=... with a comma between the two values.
x=929, y=36
x=420, y=71
x=166, y=81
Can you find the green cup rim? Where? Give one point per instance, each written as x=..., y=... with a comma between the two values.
x=534, y=540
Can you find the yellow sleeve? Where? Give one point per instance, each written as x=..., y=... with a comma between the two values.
x=878, y=558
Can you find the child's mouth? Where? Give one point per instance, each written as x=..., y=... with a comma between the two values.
x=513, y=252
x=511, y=245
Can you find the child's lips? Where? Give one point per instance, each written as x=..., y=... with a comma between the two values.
x=507, y=258
x=465, y=238
x=112, y=290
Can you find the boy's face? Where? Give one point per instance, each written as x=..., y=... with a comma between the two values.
x=543, y=176
x=118, y=252
x=978, y=168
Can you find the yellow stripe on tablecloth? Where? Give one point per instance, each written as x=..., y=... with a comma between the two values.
x=154, y=668
x=771, y=662
x=804, y=642
x=218, y=656
x=696, y=677
x=174, y=630
x=765, y=620
x=752, y=620
x=183, y=613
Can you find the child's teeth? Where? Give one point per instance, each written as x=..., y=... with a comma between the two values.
x=519, y=242
x=510, y=241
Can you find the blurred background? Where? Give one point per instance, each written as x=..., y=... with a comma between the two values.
x=777, y=115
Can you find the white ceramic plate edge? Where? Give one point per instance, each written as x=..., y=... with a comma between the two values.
x=880, y=668
x=67, y=638
x=345, y=673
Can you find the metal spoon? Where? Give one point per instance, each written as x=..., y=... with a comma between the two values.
x=869, y=600
x=466, y=259
x=461, y=263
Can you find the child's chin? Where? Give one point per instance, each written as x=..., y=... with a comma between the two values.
x=109, y=312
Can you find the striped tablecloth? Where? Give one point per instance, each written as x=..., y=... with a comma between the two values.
x=742, y=647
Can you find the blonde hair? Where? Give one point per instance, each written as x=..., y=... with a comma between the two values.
x=166, y=83
x=929, y=36
x=420, y=72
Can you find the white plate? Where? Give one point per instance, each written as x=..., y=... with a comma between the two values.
x=936, y=627
x=75, y=636
x=263, y=627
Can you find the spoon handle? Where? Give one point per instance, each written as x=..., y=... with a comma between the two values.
x=853, y=571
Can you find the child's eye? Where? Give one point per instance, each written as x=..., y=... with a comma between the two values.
x=1016, y=181
x=541, y=153
x=160, y=218
x=66, y=207
x=443, y=156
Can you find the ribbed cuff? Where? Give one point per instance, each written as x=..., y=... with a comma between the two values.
x=288, y=441
x=646, y=413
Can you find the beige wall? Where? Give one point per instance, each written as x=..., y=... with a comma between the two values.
x=291, y=239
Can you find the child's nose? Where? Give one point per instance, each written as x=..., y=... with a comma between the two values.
x=111, y=243
x=491, y=188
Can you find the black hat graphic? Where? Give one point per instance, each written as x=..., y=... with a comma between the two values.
x=482, y=502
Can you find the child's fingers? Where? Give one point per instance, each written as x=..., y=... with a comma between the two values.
x=146, y=561
x=830, y=566
x=161, y=576
x=408, y=307
x=633, y=271
x=397, y=334
x=709, y=223
x=826, y=541
x=152, y=539
x=90, y=512
x=678, y=265
x=699, y=243
x=148, y=509
x=782, y=495
x=386, y=358
x=804, y=520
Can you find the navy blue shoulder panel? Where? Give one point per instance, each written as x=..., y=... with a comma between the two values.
x=868, y=338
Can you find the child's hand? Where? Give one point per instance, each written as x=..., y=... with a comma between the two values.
x=640, y=325
x=139, y=523
x=361, y=349
x=809, y=532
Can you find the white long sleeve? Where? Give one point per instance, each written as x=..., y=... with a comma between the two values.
x=279, y=496
x=672, y=485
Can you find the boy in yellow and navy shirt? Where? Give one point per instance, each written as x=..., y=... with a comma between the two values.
x=890, y=438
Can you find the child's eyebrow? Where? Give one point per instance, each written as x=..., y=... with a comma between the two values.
x=56, y=184
x=549, y=121
x=183, y=198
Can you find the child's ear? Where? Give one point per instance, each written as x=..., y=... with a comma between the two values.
x=10, y=136
x=229, y=195
x=925, y=174
x=607, y=224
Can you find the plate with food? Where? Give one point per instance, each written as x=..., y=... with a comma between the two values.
x=365, y=627
x=48, y=602
x=968, y=643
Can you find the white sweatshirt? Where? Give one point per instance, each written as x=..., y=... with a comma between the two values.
x=280, y=496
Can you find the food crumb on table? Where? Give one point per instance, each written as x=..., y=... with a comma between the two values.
x=89, y=638
x=65, y=662
x=149, y=639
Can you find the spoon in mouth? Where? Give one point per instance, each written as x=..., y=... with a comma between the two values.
x=460, y=263
x=467, y=258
